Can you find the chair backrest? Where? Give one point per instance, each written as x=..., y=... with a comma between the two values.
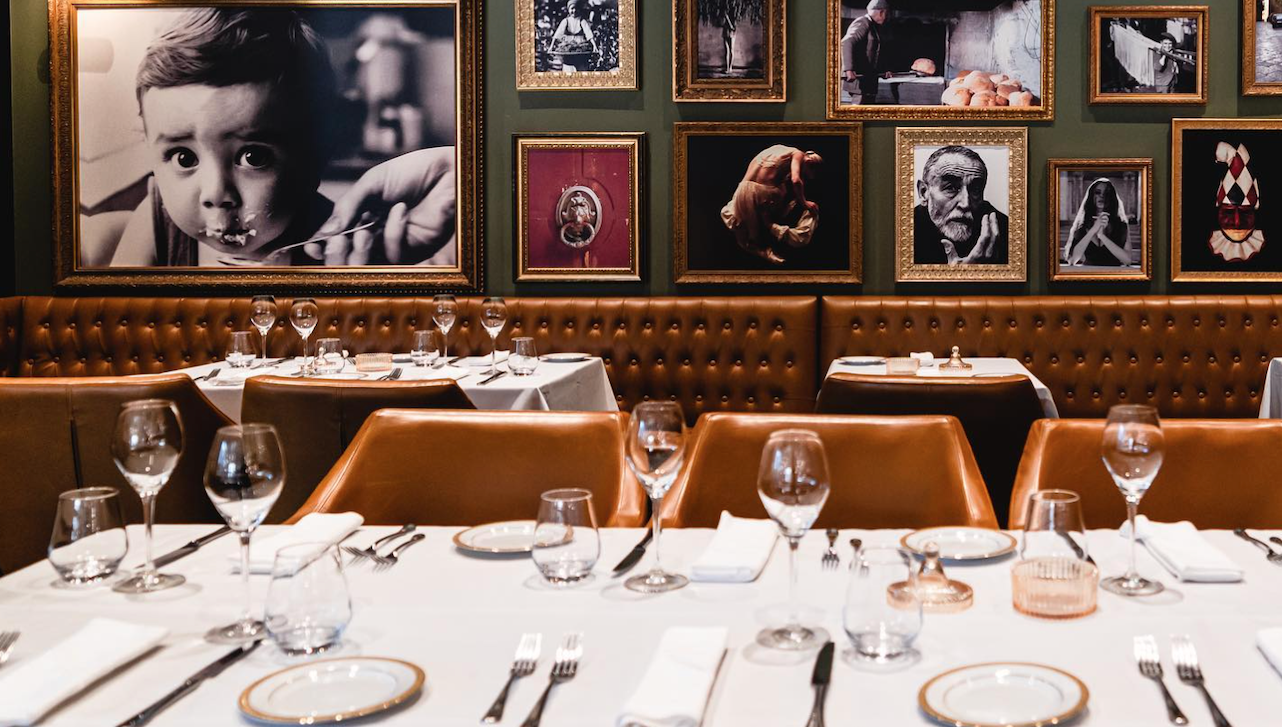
x=316, y=420
x=438, y=467
x=50, y=427
x=1216, y=473
x=995, y=412
x=886, y=472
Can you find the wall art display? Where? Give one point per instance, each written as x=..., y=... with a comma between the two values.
x=960, y=203
x=1100, y=219
x=277, y=144
x=1149, y=54
x=578, y=206
x=729, y=50
x=576, y=44
x=1223, y=173
x=941, y=59
x=1262, y=47
x=776, y=202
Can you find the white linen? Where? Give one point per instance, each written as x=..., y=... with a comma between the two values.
x=737, y=552
x=1269, y=642
x=1183, y=551
x=32, y=687
x=1132, y=49
x=982, y=366
x=675, y=689
x=925, y=357
x=318, y=527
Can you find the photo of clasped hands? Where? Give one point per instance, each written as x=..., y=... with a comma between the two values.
x=1094, y=236
x=985, y=249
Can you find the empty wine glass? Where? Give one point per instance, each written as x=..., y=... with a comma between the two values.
x=444, y=312
x=146, y=446
x=566, y=541
x=240, y=350
x=89, y=538
x=1132, y=452
x=793, y=484
x=304, y=315
x=655, y=450
x=493, y=319
x=308, y=604
x=243, y=477
x=262, y=313
x=881, y=632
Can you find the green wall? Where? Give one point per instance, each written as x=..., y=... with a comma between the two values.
x=1078, y=131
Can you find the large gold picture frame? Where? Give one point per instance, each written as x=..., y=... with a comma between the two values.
x=536, y=58
x=1197, y=65
x=1254, y=32
x=449, y=176
x=1141, y=217
x=762, y=71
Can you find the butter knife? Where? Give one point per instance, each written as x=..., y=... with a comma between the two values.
x=191, y=547
x=819, y=679
x=190, y=685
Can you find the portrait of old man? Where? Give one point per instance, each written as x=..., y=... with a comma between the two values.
x=957, y=220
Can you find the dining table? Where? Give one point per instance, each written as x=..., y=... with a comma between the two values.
x=980, y=367
x=459, y=617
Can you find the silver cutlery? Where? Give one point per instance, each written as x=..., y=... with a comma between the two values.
x=830, y=559
x=189, y=548
x=1273, y=555
x=372, y=551
x=1150, y=665
x=392, y=375
x=7, y=640
x=523, y=663
x=1077, y=549
x=1275, y=540
x=492, y=377
x=209, y=375
x=856, y=544
x=384, y=562
x=820, y=679
x=563, y=670
x=634, y=556
x=1190, y=672
x=188, y=686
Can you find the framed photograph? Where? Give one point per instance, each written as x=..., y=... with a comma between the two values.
x=776, y=202
x=1262, y=47
x=267, y=145
x=578, y=206
x=1148, y=54
x=941, y=59
x=729, y=50
x=960, y=202
x=1100, y=219
x=576, y=44
x=1221, y=172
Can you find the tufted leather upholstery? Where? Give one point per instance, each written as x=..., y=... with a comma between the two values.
x=10, y=328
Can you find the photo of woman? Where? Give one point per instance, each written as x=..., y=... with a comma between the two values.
x=1099, y=232
x=1099, y=226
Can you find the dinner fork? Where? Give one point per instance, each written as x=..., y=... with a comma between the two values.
x=372, y=551
x=384, y=562
x=7, y=640
x=1190, y=672
x=1273, y=556
x=563, y=670
x=1150, y=664
x=831, y=560
x=527, y=657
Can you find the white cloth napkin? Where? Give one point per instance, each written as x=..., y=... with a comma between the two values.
x=675, y=689
x=483, y=359
x=1183, y=551
x=1269, y=642
x=738, y=551
x=33, y=686
x=318, y=527
x=926, y=357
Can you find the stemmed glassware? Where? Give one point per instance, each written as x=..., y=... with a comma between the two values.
x=304, y=315
x=493, y=319
x=146, y=446
x=655, y=450
x=793, y=484
x=1132, y=452
x=262, y=313
x=243, y=477
x=444, y=313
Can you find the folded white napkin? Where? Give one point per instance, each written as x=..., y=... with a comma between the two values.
x=675, y=689
x=738, y=551
x=33, y=686
x=926, y=357
x=1183, y=551
x=483, y=359
x=318, y=527
x=1269, y=642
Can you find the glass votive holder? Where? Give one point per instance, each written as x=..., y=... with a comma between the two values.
x=89, y=539
x=524, y=358
x=1054, y=587
x=902, y=366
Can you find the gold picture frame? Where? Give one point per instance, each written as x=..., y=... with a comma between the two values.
x=553, y=241
x=1056, y=233
x=1099, y=78
x=536, y=62
x=928, y=255
x=929, y=106
x=712, y=252
x=447, y=157
x=765, y=79
x=1251, y=85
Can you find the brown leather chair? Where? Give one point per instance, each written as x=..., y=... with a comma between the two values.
x=1216, y=473
x=996, y=413
x=316, y=420
x=886, y=472
x=436, y=467
x=55, y=435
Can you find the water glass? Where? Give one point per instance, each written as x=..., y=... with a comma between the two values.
x=566, y=541
x=240, y=350
x=329, y=356
x=1053, y=578
x=262, y=313
x=881, y=633
x=444, y=313
x=1132, y=450
x=146, y=446
x=424, y=352
x=89, y=539
x=308, y=604
x=524, y=358
x=654, y=450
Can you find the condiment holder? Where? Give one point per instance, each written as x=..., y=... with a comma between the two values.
x=931, y=587
x=955, y=362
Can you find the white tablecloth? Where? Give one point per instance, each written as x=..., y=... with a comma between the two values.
x=982, y=367
x=460, y=618
x=577, y=386
x=1271, y=401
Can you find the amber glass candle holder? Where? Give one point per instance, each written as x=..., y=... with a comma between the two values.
x=1055, y=577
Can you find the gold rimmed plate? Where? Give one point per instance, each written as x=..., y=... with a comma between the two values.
x=331, y=690
x=961, y=543
x=1003, y=694
x=514, y=536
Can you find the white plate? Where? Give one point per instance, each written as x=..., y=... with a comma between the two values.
x=960, y=543
x=1003, y=695
x=516, y=536
x=861, y=360
x=566, y=357
x=331, y=690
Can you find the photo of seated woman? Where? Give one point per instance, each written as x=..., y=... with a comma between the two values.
x=1099, y=223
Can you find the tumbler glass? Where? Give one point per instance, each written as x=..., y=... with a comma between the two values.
x=566, y=542
x=524, y=358
x=89, y=539
x=308, y=604
x=329, y=356
x=240, y=350
x=424, y=352
x=881, y=633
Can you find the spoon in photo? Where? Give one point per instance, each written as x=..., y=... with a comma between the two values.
x=239, y=260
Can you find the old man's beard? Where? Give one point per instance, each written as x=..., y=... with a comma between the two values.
x=957, y=230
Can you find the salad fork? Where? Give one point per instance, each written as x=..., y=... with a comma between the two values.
x=1190, y=672
x=831, y=560
x=7, y=640
x=384, y=562
x=372, y=551
x=1150, y=664
x=527, y=657
x=563, y=670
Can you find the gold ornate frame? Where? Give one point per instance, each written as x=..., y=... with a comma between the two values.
x=1098, y=13
x=1044, y=112
x=1250, y=86
x=686, y=86
x=1145, y=169
x=906, y=141
x=466, y=275
x=634, y=143
x=624, y=78
x=1178, y=274
x=681, y=135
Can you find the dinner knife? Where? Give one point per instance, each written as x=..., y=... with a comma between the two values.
x=191, y=547
x=491, y=377
x=190, y=685
x=1077, y=549
x=819, y=680
x=634, y=556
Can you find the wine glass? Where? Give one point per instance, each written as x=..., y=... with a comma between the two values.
x=793, y=485
x=146, y=445
x=655, y=450
x=493, y=319
x=243, y=477
x=304, y=315
x=445, y=311
x=1132, y=451
x=262, y=313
